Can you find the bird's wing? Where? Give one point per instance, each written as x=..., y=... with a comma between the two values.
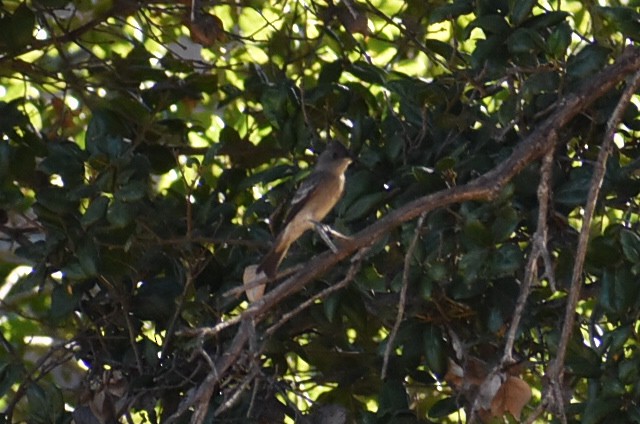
x=308, y=187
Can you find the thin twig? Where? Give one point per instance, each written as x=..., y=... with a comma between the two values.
x=485, y=187
x=353, y=270
x=556, y=371
x=402, y=302
x=538, y=245
x=202, y=395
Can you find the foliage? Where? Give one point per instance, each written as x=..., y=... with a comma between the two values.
x=147, y=147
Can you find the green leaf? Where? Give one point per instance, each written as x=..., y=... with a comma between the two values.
x=597, y=410
x=506, y=260
x=546, y=20
x=95, y=212
x=435, y=350
x=624, y=19
x=490, y=50
x=367, y=72
x=393, y=397
x=10, y=374
x=472, y=263
x=583, y=361
x=519, y=10
x=64, y=159
x=506, y=222
x=155, y=299
x=121, y=214
x=524, y=40
x=87, y=254
x=63, y=302
x=477, y=233
x=19, y=28
x=133, y=191
x=574, y=192
x=543, y=82
x=588, y=61
x=607, y=297
x=202, y=83
x=46, y=405
x=630, y=242
x=56, y=200
x=105, y=134
x=559, y=40
x=441, y=48
x=437, y=271
x=444, y=407
x=330, y=306
x=331, y=72
x=274, y=102
x=489, y=24
x=364, y=206
x=451, y=11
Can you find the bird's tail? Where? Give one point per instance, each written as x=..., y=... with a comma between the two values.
x=272, y=259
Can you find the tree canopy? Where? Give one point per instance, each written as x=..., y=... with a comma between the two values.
x=149, y=150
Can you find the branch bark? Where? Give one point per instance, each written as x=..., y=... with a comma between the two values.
x=556, y=371
x=485, y=187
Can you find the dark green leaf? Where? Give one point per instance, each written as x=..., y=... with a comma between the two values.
x=274, y=103
x=121, y=214
x=559, y=40
x=393, y=396
x=444, y=407
x=331, y=72
x=367, y=72
x=525, y=40
x=106, y=133
x=10, y=374
x=574, y=192
x=546, y=20
x=133, y=191
x=506, y=260
x=63, y=302
x=472, y=263
x=588, y=61
x=439, y=47
x=490, y=24
x=451, y=11
x=364, y=205
x=630, y=242
x=19, y=28
x=597, y=410
x=95, y=212
x=506, y=222
x=88, y=257
x=156, y=299
x=477, y=233
x=46, y=405
x=519, y=10
x=583, y=361
x=435, y=350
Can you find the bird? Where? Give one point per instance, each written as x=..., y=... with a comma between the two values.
x=312, y=201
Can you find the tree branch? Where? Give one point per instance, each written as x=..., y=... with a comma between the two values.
x=556, y=371
x=484, y=187
x=403, y=297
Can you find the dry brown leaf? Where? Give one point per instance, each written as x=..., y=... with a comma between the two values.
x=249, y=276
x=497, y=394
x=206, y=29
x=512, y=396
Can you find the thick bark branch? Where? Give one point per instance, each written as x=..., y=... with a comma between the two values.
x=484, y=187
